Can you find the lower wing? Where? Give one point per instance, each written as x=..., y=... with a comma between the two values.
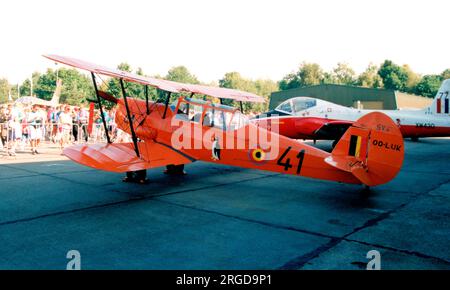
x=121, y=157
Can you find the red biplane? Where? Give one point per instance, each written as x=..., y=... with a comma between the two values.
x=187, y=130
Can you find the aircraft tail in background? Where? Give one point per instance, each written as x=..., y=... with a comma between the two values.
x=56, y=93
x=441, y=102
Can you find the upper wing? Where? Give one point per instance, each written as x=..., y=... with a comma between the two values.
x=121, y=157
x=222, y=93
x=333, y=130
x=165, y=85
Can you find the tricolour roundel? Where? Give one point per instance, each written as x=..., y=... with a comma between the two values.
x=258, y=155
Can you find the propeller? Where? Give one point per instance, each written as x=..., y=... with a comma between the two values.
x=108, y=97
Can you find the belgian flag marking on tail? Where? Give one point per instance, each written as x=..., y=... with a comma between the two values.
x=355, y=145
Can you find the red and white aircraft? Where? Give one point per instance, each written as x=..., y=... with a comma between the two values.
x=310, y=118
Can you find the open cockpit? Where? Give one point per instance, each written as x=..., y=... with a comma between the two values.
x=209, y=114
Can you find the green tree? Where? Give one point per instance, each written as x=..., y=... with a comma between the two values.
x=124, y=66
x=178, y=74
x=412, y=79
x=25, y=87
x=428, y=86
x=132, y=89
x=264, y=88
x=76, y=87
x=234, y=80
x=343, y=74
x=46, y=85
x=113, y=84
x=290, y=81
x=328, y=78
x=261, y=87
x=182, y=75
x=446, y=74
x=370, y=78
x=4, y=90
x=308, y=74
x=394, y=77
x=14, y=91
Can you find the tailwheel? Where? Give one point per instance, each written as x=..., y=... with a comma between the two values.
x=365, y=191
x=175, y=170
x=139, y=176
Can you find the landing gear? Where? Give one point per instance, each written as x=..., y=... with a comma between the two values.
x=175, y=170
x=139, y=176
x=366, y=190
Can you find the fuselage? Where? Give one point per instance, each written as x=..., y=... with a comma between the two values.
x=285, y=155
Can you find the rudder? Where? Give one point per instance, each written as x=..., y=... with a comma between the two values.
x=371, y=149
x=441, y=102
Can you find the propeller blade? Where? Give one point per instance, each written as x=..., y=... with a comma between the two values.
x=108, y=97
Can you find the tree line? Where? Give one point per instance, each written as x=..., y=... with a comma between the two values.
x=77, y=87
x=386, y=76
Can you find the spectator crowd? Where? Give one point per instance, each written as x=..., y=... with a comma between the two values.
x=25, y=127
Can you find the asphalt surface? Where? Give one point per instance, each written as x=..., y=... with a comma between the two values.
x=220, y=217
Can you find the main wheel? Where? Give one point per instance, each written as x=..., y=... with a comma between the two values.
x=139, y=176
x=175, y=169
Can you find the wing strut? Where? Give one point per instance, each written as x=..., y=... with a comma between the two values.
x=146, y=99
x=242, y=107
x=101, y=108
x=167, y=104
x=130, y=119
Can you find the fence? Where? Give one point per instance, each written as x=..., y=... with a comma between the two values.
x=51, y=132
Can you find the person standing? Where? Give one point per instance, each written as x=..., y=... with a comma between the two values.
x=35, y=128
x=14, y=128
x=25, y=128
x=83, y=118
x=54, y=115
x=43, y=118
x=3, y=126
x=65, y=125
x=75, y=123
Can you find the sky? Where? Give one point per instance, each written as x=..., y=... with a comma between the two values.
x=258, y=38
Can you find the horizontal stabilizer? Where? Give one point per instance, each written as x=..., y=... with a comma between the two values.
x=332, y=130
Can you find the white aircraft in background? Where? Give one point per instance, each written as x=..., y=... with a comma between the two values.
x=30, y=100
x=310, y=118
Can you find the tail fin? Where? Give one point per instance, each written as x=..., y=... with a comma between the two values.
x=56, y=93
x=441, y=102
x=371, y=149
